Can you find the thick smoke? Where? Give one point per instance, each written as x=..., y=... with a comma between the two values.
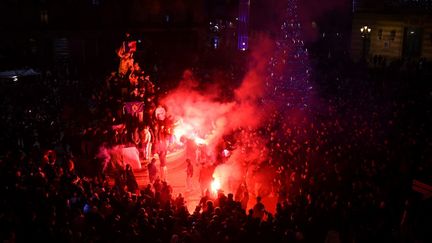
x=199, y=112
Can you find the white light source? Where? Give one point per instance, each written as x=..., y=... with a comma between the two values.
x=365, y=29
x=225, y=152
x=215, y=185
x=200, y=141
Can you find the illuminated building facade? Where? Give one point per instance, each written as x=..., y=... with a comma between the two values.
x=400, y=29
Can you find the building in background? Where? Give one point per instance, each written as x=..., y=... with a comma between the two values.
x=42, y=33
x=222, y=20
x=393, y=29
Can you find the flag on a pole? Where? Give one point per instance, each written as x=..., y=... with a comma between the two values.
x=133, y=108
x=129, y=46
x=132, y=46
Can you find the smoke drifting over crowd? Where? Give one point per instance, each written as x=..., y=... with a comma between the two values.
x=202, y=116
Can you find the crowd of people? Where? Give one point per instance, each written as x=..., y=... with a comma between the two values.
x=342, y=172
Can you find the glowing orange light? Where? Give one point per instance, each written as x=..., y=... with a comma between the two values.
x=215, y=185
x=200, y=141
x=179, y=132
x=182, y=129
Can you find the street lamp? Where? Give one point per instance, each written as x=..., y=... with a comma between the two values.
x=365, y=30
x=365, y=34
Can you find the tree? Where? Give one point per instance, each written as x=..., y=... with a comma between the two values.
x=288, y=84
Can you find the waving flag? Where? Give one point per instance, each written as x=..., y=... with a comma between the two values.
x=133, y=107
x=132, y=46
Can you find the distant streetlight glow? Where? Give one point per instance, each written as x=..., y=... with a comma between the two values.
x=365, y=30
x=365, y=34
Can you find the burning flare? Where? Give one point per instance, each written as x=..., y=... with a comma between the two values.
x=200, y=141
x=215, y=185
x=183, y=129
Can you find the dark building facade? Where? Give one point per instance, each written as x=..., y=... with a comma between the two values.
x=399, y=29
x=46, y=32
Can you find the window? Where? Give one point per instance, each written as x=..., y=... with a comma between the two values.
x=412, y=42
x=380, y=33
x=392, y=35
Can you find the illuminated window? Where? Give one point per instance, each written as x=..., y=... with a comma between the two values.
x=392, y=35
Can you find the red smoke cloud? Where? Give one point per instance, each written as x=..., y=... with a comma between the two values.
x=202, y=114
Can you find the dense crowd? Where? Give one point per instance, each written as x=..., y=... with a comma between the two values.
x=342, y=171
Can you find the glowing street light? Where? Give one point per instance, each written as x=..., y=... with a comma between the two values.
x=365, y=34
x=365, y=30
